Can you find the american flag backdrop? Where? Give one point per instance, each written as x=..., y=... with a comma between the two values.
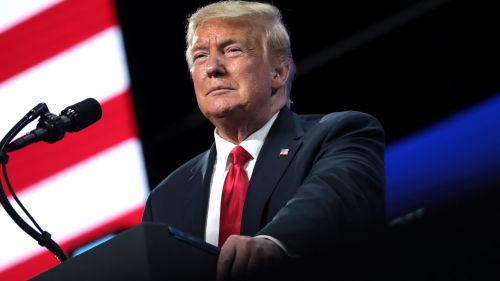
x=92, y=182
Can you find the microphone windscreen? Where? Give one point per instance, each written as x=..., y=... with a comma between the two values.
x=82, y=114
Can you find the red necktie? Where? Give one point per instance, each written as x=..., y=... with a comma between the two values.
x=233, y=194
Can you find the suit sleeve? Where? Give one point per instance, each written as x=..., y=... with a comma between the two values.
x=342, y=196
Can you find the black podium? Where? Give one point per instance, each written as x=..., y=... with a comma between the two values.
x=145, y=252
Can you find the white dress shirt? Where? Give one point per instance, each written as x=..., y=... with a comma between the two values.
x=252, y=144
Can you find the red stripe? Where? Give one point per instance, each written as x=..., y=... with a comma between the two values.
x=51, y=32
x=41, y=160
x=45, y=260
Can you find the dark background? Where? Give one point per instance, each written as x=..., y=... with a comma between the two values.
x=408, y=63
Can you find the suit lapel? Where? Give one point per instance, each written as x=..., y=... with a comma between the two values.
x=272, y=162
x=196, y=202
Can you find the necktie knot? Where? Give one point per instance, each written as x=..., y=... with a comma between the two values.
x=239, y=156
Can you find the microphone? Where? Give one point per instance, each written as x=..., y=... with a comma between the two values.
x=51, y=128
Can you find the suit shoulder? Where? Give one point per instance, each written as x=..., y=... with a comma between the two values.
x=347, y=116
x=351, y=119
x=185, y=170
x=337, y=116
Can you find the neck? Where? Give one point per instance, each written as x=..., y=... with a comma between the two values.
x=237, y=131
x=236, y=134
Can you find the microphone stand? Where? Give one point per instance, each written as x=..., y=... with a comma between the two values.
x=43, y=237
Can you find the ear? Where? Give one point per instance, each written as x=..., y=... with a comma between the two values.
x=280, y=75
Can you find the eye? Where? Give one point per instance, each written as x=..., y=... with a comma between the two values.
x=233, y=51
x=199, y=56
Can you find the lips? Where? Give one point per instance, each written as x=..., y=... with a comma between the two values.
x=219, y=88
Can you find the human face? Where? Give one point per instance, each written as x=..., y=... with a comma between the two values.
x=231, y=73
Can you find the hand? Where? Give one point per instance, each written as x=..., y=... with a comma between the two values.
x=244, y=256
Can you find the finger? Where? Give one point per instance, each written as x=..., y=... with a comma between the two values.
x=225, y=261
x=242, y=256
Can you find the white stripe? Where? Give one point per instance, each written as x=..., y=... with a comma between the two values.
x=78, y=199
x=94, y=68
x=13, y=12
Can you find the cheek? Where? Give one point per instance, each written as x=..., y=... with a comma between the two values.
x=197, y=81
x=255, y=76
x=259, y=81
x=198, y=88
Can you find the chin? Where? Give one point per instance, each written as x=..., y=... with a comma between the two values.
x=222, y=110
x=217, y=114
x=230, y=114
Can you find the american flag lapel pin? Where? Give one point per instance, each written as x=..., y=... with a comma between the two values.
x=284, y=152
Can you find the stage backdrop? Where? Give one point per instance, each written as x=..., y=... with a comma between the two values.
x=92, y=182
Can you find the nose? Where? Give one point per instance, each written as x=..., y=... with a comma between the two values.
x=215, y=66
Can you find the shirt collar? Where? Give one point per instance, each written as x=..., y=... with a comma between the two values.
x=252, y=144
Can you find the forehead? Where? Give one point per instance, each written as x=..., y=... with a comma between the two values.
x=223, y=30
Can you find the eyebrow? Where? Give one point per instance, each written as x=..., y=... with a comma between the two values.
x=223, y=43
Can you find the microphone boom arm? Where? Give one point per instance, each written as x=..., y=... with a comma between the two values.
x=43, y=238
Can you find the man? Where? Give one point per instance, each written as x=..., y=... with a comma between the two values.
x=314, y=184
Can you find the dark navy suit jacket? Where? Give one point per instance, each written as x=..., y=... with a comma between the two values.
x=328, y=188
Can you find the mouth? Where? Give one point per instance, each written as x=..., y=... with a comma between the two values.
x=219, y=90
